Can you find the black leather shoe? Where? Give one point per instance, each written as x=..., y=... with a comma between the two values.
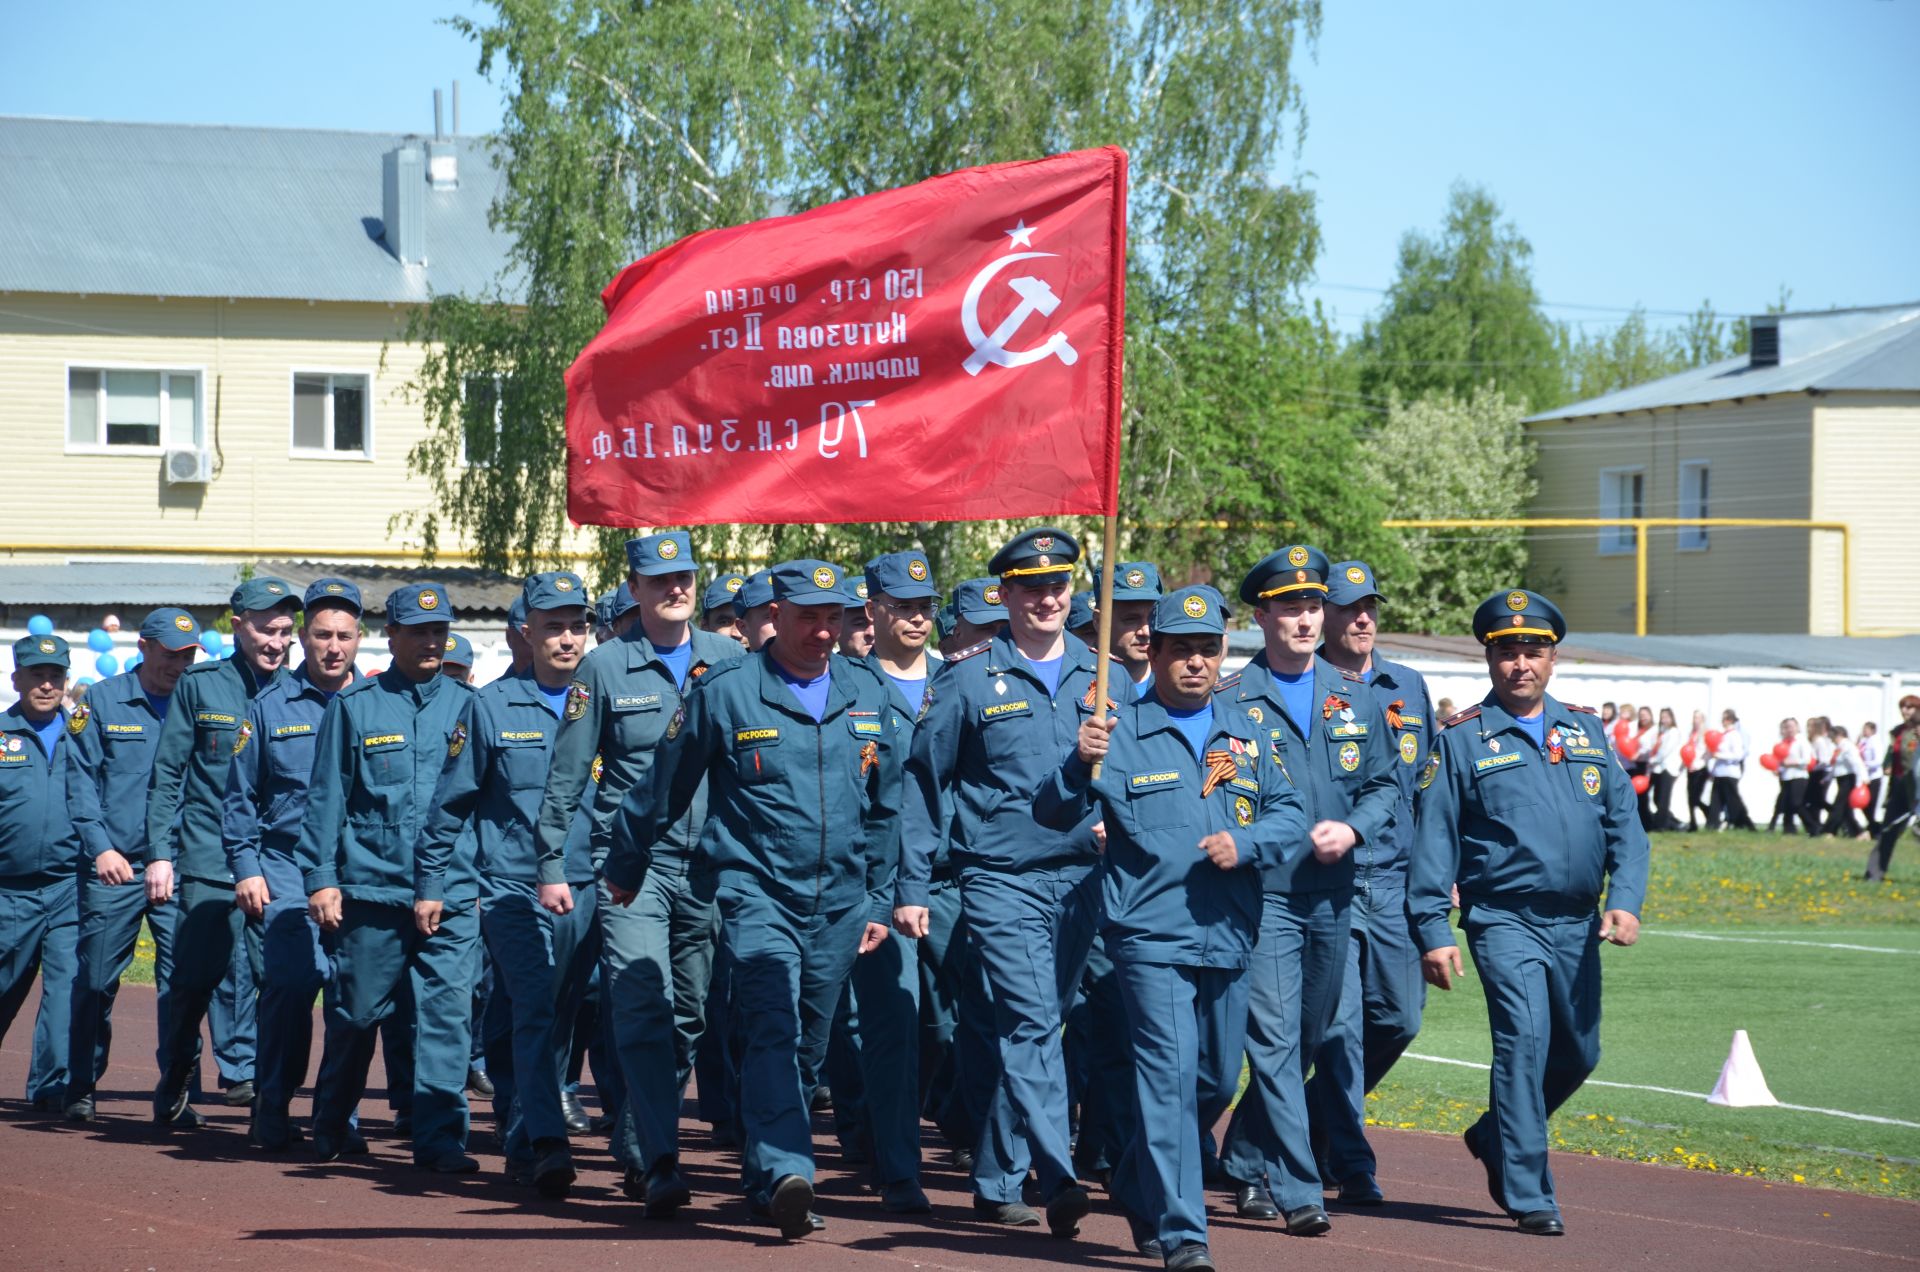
x=665, y=1192
x=1307, y=1221
x=1146, y=1239
x=1541, y=1223
x=553, y=1172
x=271, y=1132
x=239, y=1095
x=453, y=1162
x=1361, y=1190
x=1010, y=1214
x=1066, y=1208
x=402, y=1127
x=1491, y=1161
x=790, y=1206
x=1190, y=1257
x=905, y=1197
x=81, y=1110
x=169, y=1104
x=1250, y=1201
x=578, y=1123
x=49, y=1103
x=962, y=1159
x=634, y=1185
x=478, y=1083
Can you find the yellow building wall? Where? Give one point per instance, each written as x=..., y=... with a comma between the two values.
x=1866, y=458
x=1758, y=456
x=262, y=499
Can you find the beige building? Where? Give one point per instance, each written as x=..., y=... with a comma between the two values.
x=202, y=330
x=1820, y=422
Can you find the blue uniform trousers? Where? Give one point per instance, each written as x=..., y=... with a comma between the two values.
x=382, y=966
x=842, y=1075
x=482, y=996
x=960, y=1054
x=110, y=917
x=789, y=970
x=40, y=932
x=232, y=1020
x=1187, y=1027
x=1381, y=999
x=886, y=993
x=211, y=933
x=656, y=959
x=1542, y=980
x=540, y=966
x=716, y=1061
x=1031, y=932
x=1104, y=1065
x=1293, y=990
x=293, y=968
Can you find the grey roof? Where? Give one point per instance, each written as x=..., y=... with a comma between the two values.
x=191, y=210
x=473, y=591
x=1858, y=349
x=117, y=583
x=1861, y=655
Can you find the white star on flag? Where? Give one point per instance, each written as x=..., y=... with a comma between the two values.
x=1021, y=234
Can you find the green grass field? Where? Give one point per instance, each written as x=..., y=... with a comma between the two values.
x=1833, y=1028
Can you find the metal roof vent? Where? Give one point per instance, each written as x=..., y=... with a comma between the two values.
x=403, y=223
x=443, y=165
x=1764, y=349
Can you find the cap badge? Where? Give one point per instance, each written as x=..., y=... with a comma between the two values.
x=1299, y=576
x=182, y=622
x=1136, y=578
x=735, y=583
x=563, y=584
x=275, y=588
x=429, y=599
x=860, y=589
x=1196, y=606
x=46, y=647
x=335, y=589
x=668, y=549
x=1516, y=601
x=823, y=577
x=1296, y=555
x=450, y=644
x=917, y=570
x=992, y=595
x=1356, y=575
x=1044, y=543
x=1046, y=560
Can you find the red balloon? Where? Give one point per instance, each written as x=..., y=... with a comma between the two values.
x=1770, y=762
x=1627, y=746
x=1640, y=783
x=1781, y=748
x=1687, y=754
x=1620, y=728
x=1713, y=737
x=1860, y=797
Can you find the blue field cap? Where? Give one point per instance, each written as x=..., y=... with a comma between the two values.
x=517, y=612
x=810, y=582
x=854, y=584
x=978, y=601
x=1080, y=611
x=1350, y=583
x=1195, y=608
x=1298, y=567
x=40, y=651
x=459, y=651
x=1519, y=616
x=173, y=628
x=333, y=592
x=614, y=604
x=1136, y=581
x=667, y=553
x=721, y=592
x=1040, y=554
x=555, y=589
x=419, y=603
x=262, y=593
x=755, y=592
x=905, y=576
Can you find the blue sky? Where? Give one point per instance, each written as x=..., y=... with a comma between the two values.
x=1654, y=153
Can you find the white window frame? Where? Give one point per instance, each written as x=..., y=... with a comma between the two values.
x=1620, y=540
x=1693, y=538
x=103, y=447
x=499, y=408
x=294, y=451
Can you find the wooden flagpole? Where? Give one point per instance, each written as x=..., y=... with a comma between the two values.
x=1104, y=645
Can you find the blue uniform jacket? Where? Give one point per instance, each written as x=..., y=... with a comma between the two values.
x=1512, y=827
x=494, y=778
x=806, y=813
x=1164, y=901
x=48, y=808
x=266, y=796
x=988, y=738
x=1341, y=763
x=116, y=752
x=1399, y=691
x=623, y=701
x=381, y=747
x=186, y=798
x=905, y=716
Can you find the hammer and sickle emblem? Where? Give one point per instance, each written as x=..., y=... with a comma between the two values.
x=1035, y=297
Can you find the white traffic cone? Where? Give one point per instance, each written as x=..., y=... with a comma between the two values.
x=1741, y=1084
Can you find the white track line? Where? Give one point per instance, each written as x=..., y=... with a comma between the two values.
x=1763, y=940
x=1691, y=1095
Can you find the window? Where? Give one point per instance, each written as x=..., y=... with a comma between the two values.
x=133, y=409
x=331, y=417
x=480, y=404
x=1623, y=493
x=1693, y=503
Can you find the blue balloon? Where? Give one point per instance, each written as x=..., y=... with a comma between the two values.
x=226, y=651
x=106, y=664
x=210, y=641
x=40, y=625
x=100, y=641
x=84, y=681
x=132, y=663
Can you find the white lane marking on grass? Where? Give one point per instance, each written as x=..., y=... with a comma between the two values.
x=1691, y=1095
x=1762, y=940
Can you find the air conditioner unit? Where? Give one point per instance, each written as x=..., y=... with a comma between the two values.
x=189, y=467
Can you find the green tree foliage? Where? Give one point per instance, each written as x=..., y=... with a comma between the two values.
x=631, y=125
x=1462, y=312
x=1452, y=457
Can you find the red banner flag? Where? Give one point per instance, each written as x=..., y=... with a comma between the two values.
x=948, y=351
